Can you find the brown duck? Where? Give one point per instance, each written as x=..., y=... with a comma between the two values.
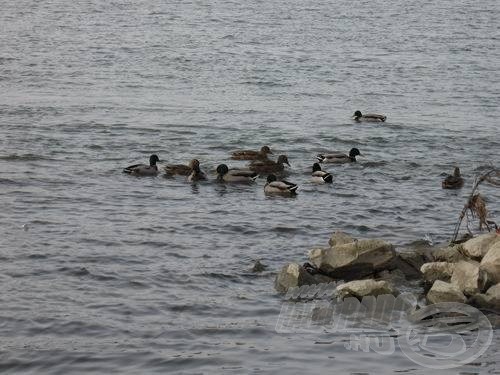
x=453, y=182
x=181, y=169
x=251, y=154
x=269, y=166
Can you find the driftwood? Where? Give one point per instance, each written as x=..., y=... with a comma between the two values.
x=476, y=206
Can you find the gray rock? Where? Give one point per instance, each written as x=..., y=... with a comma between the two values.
x=362, y=288
x=489, y=300
x=468, y=277
x=491, y=263
x=477, y=247
x=437, y=271
x=292, y=275
x=450, y=254
x=340, y=238
x=445, y=292
x=353, y=260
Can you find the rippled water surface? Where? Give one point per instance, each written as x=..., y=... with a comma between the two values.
x=117, y=274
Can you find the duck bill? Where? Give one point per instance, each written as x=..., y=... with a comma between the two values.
x=287, y=163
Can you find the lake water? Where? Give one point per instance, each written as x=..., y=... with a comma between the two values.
x=118, y=274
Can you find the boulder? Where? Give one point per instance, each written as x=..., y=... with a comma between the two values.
x=292, y=275
x=489, y=300
x=491, y=263
x=450, y=254
x=477, y=247
x=362, y=288
x=340, y=238
x=353, y=260
x=445, y=292
x=468, y=277
x=437, y=271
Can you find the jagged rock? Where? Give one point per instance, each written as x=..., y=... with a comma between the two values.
x=445, y=292
x=468, y=277
x=489, y=300
x=340, y=238
x=353, y=260
x=450, y=254
x=477, y=247
x=362, y=288
x=292, y=275
x=491, y=263
x=437, y=271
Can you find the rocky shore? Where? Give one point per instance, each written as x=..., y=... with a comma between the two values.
x=467, y=273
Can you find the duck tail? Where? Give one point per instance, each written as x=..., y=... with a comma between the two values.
x=328, y=178
x=320, y=157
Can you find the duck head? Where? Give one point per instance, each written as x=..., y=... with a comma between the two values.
x=456, y=172
x=222, y=169
x=153, y=159
x=357, y=115
x=266, y=150
x=282, y=159
x=195, y=163
x=271, y=178
x=316, y=167
x=354, y=152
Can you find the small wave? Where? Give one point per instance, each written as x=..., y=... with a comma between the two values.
x=24, y=157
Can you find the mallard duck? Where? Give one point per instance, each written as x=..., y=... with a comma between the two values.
x=181, y=169
x=196, y=173
x=453, y=182
x=273, y=186
x=358, y=116
x=235, y=175
x=319, y=176
x=143, y=169
x=338, y=157
x=269, y=166
x=252, y=155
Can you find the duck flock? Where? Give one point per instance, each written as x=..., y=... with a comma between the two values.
x=261, y=165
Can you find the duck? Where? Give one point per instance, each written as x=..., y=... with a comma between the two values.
x=275, y=187
x=319, y=176
x=143, y=169
x=269, y=166
x=337, y=157
x=224, y=174
x=251, y=154
x=196, y=173
x=181, y=169
x=454, y=181
x=358, y=116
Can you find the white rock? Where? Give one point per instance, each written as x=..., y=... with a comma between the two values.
x=354, y=260
x=362, y=288
x=491, y=263
x=468, y=277
x=477, y=247
x=292, y=275
x=445, y=292
x=437, y=271
x=340, y=238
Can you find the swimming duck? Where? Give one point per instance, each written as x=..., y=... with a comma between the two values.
x=181, y=169
x=319, y=176
x=235, y=175
x=143, y=169
x=358, y=116
x=252, y=155
x=273, y=186
x=196, y=173
x=453, y=182
x=269, y=166
x=338, y=157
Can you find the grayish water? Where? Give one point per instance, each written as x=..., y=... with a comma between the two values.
x=140, y=275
